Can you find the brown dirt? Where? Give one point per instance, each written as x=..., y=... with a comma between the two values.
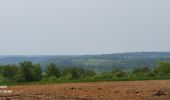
x=123, y=90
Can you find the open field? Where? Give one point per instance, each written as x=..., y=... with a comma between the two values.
x=123, y=90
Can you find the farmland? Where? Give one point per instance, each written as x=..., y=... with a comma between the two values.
x=116, y=90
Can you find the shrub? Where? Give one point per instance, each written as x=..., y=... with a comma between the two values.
x=162, y=69
x=141, y=72
x=118, y=73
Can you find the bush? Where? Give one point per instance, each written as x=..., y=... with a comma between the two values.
x=104, y=75
x=90, y=73
x=118, y=73
x=2, y=80
x=141, y=72
x=52, y=78
x=162, y=69
x=19, y=78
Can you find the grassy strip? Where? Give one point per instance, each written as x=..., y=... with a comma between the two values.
x=86, y=80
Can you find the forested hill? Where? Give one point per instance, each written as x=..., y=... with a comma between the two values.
x=125, y=61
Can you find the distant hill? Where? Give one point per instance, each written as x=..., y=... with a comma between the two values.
x=125, y=61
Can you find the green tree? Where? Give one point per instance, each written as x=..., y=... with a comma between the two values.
x=1, y=69
x=75, y=72
x=37, y=72
x=25, y=70
x=29, y=72
x=65, y=71
x=162, y=69
x=66, y=74
x=53, y=70
x=9, y=71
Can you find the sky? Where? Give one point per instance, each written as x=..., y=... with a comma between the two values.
x=62, y=27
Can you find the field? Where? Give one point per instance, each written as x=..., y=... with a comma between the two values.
x=116, y=90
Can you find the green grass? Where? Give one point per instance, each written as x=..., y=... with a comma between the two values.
x=86, y=80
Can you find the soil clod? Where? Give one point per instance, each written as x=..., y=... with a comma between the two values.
x=8, y=99
x=160, y=93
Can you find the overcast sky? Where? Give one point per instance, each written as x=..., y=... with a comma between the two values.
x=42, y=27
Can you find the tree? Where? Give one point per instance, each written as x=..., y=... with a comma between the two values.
x=162, y=69
x=9, y=71
x=26, y=70
x=66, y=74
x=75, y=73
x=65, y=71
x=1, y=69
x=29, y=72
x=37, y=72
x=53, y=70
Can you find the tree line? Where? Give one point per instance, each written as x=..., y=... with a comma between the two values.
x=28, y=72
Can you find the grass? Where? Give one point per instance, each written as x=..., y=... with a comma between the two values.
x=86, y=80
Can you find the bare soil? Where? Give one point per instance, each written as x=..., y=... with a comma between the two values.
x=117, y=90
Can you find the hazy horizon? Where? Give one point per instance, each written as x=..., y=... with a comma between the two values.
x=52, y=27
x=82, y=54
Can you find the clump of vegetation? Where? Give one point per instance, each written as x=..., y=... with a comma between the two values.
x=162, y=69
x=28, y=72
x=53, y=71
x=118, y=73
x=142, y=72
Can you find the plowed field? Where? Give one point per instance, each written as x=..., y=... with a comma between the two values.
x=116, y=90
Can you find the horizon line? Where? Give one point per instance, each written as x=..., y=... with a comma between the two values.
x=83, y=54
